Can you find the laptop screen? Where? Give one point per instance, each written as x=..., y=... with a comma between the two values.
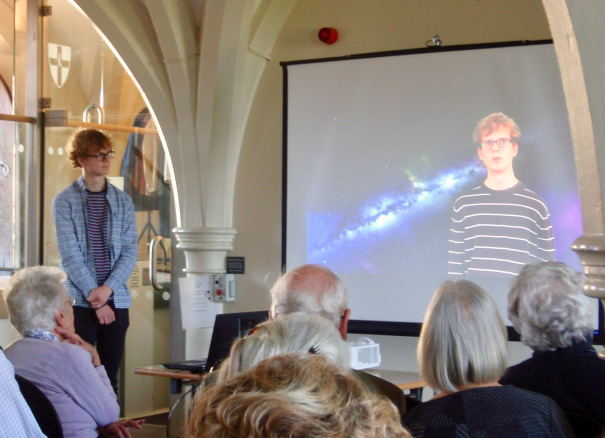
x=227, y=328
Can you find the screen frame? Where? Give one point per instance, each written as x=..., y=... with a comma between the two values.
x=391, y=328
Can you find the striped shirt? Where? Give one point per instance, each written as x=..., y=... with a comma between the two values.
x=96, y=210
x=496, y=232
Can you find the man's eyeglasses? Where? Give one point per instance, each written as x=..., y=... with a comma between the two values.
x=502, y=143
x=101, y=156
x=71, y=301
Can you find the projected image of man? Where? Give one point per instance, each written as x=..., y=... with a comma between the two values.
x=500, y=225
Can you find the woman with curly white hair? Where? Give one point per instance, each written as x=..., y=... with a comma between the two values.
x=553, y=316
x=53, y=357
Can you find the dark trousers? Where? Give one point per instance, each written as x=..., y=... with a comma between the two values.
x=108, y=338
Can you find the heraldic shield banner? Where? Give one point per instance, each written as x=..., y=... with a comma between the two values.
x=59, y=60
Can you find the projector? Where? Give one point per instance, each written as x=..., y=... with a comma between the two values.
x=365, y=353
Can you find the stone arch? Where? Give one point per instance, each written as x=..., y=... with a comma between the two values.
x=580, y=117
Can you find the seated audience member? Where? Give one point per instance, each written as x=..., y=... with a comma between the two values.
x=16, y=418
x=462, y=354
x=315, y=290
x=553, y=316
x=295, y=396
x=64, y=367
x=295, y=333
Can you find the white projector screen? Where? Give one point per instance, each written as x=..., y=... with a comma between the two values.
x=378, y=147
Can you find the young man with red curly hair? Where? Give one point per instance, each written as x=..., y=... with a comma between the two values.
x=501, y=225
x=97, y=240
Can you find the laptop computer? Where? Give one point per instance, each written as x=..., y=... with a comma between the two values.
x=227, y=328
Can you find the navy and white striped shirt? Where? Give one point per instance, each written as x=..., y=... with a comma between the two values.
x=496, y=232
x=96, y=211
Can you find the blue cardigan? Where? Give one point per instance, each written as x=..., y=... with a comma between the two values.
x=71, y=225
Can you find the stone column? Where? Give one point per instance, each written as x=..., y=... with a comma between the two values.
x=205, y=248
x=591, y=250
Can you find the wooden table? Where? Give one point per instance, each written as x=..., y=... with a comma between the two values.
x=177, y=377
x=406, y=380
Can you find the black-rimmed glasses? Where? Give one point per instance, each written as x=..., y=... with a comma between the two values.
x=502, y=143
x=102, y=156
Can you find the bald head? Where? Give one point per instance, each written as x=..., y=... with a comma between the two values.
x=314, y=290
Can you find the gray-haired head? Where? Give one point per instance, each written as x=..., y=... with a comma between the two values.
x=295, y=333
x=463, y=338
x=548, y=308
x=33, y=295
x=310, y=289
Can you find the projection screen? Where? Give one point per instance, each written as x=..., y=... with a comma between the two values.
x=378, y=147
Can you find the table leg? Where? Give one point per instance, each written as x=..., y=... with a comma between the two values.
x=416, y=393
x=176, y=386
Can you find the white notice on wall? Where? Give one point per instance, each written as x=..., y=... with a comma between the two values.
x=197, y=308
